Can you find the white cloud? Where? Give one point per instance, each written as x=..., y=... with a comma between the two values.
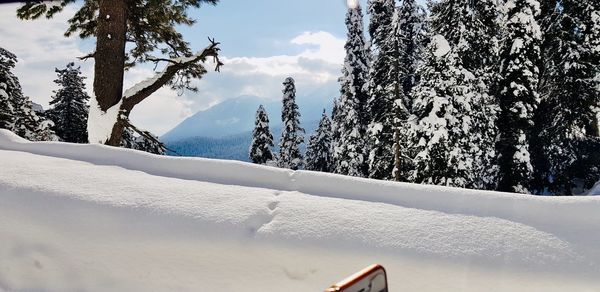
x=322, y=47
x=329, y=48
x=316, y=66
x=41, y=46
x=162, y=110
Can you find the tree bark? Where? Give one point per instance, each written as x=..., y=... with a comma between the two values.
x=110, y=58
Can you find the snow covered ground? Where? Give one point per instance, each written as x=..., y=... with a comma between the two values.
x=95, y=218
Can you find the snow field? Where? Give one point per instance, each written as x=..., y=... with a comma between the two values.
x=102, y=219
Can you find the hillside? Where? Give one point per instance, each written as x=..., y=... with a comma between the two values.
x=96, y=218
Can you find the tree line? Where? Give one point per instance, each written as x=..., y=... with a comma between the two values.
x=488, y=94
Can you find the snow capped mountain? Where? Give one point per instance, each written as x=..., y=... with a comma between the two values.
x=236, y=116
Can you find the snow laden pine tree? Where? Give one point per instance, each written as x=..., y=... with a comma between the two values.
x=16, y=113
x=292, y=134
x=7, y=88
x=351, y=114
x=518, y=94
x=567, y=155
x=409, y=33
x=318, y=152
x=69, y=105
x=384, y=88
x=472, y=28
x=442, y=125
x=262, y=139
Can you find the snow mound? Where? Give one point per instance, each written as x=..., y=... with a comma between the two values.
x=441, y=45
x=100, y=123
x=97, y=218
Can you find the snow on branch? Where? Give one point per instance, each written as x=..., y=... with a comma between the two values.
x=142, y=90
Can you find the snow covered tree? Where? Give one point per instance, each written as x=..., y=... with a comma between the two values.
x=471, y=28
x=566, y=143
x=147, y=27
x=410, y=30
x=445, y=124
x=17, y=112
x=384, y=88
x=292, y=134
x=7, y=88
x=262, y=139
x=350, y=149
x=318, y=153
x=518, y=94
x=69, y=108
x=150, y=143
x=27, y=123
x=134, y=138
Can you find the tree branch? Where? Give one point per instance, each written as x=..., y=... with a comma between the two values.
x=90, y=55
x=144, y=134
x=156, y=60
x=142, y=90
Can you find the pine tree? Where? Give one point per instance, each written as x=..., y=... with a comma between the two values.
x=384, y=88
x=150, y=143
x=444, y=128
x=69, y=109
x=292, y=134
x=318, y=153
x=262, y=139
x=566, y=141
x=17, y=113
x=409, y=31
x=27, y=123
x=134, y=138
x=7, y=88
x=351, y=115
x=472, y=29
x=518, y=95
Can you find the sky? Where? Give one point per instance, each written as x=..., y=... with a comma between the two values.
x=262, y=42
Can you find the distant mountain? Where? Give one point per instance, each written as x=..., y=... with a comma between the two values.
x=236, y=116
x=234, y=147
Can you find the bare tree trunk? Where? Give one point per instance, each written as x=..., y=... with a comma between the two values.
x=110, y=59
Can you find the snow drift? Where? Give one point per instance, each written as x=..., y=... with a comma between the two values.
x=96, y=218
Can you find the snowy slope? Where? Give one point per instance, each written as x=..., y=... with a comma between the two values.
x=94, y=218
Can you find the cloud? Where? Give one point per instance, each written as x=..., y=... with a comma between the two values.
x=41, y=46
x=160, y=112
x=316, y=67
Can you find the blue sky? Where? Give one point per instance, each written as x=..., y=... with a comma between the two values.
x=260, y=28
x=263, y=41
